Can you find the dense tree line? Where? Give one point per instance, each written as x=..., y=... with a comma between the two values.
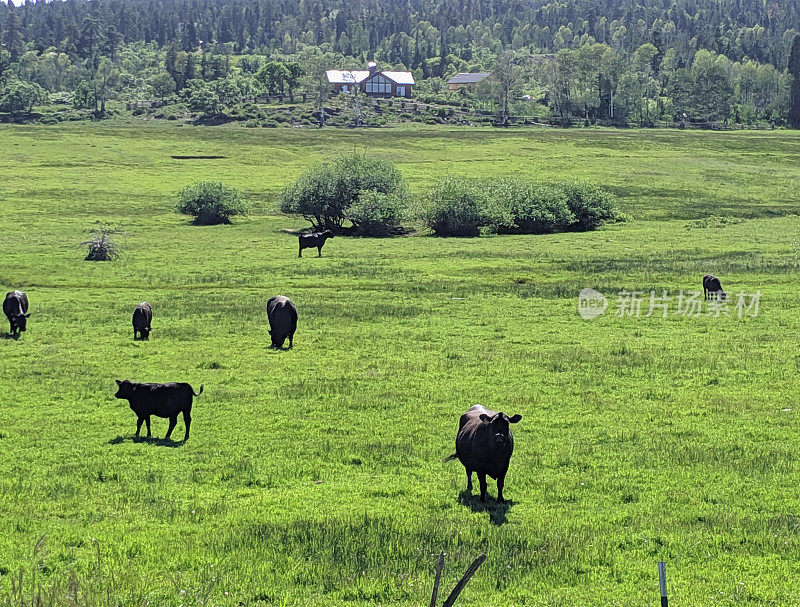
x=708, y=59
x=411, y=32
x=594, y=81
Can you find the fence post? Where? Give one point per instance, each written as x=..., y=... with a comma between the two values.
x=662, y=583
x=463, y=581
x=439, y=567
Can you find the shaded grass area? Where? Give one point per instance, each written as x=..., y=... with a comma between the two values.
x=314, y=476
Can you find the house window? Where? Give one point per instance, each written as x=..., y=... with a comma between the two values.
x=401, y=91
x=378, y=84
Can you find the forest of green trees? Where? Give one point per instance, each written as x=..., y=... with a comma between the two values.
x=670, y=60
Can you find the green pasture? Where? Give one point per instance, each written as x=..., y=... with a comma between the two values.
x=315, y=476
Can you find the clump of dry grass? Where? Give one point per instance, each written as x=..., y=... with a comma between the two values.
x=101, y=244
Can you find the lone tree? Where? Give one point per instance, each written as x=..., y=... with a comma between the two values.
x=205, y=101
x=508, y=79
x=794, y=70
x=316, y=83
x=211, y=202
x=163, y=85
x=20, y=97
x=294, y=74
x=274, y=77
x=105, y=79
x=331, y=193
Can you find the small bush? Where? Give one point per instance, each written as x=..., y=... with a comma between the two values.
x=377, y=214
x=519, y=207
x=210, y=202
x=592, y=206
x=455, y=208
x=101, y=245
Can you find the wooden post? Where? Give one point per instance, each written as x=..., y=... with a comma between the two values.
x=439, y=567
x=662, y=583
x=464, y=579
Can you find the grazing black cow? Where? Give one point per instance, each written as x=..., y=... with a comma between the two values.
x=316, y=239
x=484, y=444
x=15, y=307
x=282, y=315
x=142, y=317
x=712, y=287
x=161, y=400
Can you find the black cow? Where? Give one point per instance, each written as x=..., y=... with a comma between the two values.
x=161, y=400
x=282, y=315
x=15, y=307
x=316, y=239
x=142, y=317
x=712, y=287
x=484, y=444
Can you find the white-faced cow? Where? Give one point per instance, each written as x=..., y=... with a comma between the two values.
x=282, y=315
x=142, y=317
x=15, y=307
x=484, y=444
x=712, y=287
x=161, y=400
x=316, y=239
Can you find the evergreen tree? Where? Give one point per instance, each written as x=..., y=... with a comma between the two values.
x=12, y=38
x=794, y=72
x=189, y=40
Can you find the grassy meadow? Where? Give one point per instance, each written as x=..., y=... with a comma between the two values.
x=315, y=476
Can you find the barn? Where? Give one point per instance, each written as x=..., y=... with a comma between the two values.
x=467, y=80
x=372, y=82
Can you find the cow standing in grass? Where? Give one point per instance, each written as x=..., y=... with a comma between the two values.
x=15, y=307
x=142, y=317
x=712, y=287
x=161, y=400
x=282, y=316
x=484, y=444
x=316, y=239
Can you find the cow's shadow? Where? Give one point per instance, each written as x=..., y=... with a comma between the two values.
x=15, y=337
x=158, y=442
x=497, y=510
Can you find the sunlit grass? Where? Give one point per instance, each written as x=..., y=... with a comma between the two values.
x=314, y=476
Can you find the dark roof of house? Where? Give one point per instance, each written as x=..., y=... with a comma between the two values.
x=469, y=78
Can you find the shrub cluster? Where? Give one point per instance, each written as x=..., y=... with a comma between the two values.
x=455, y=208
x=368, y=192
x=462, y=207
x=377, y=214
x=210, y=202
